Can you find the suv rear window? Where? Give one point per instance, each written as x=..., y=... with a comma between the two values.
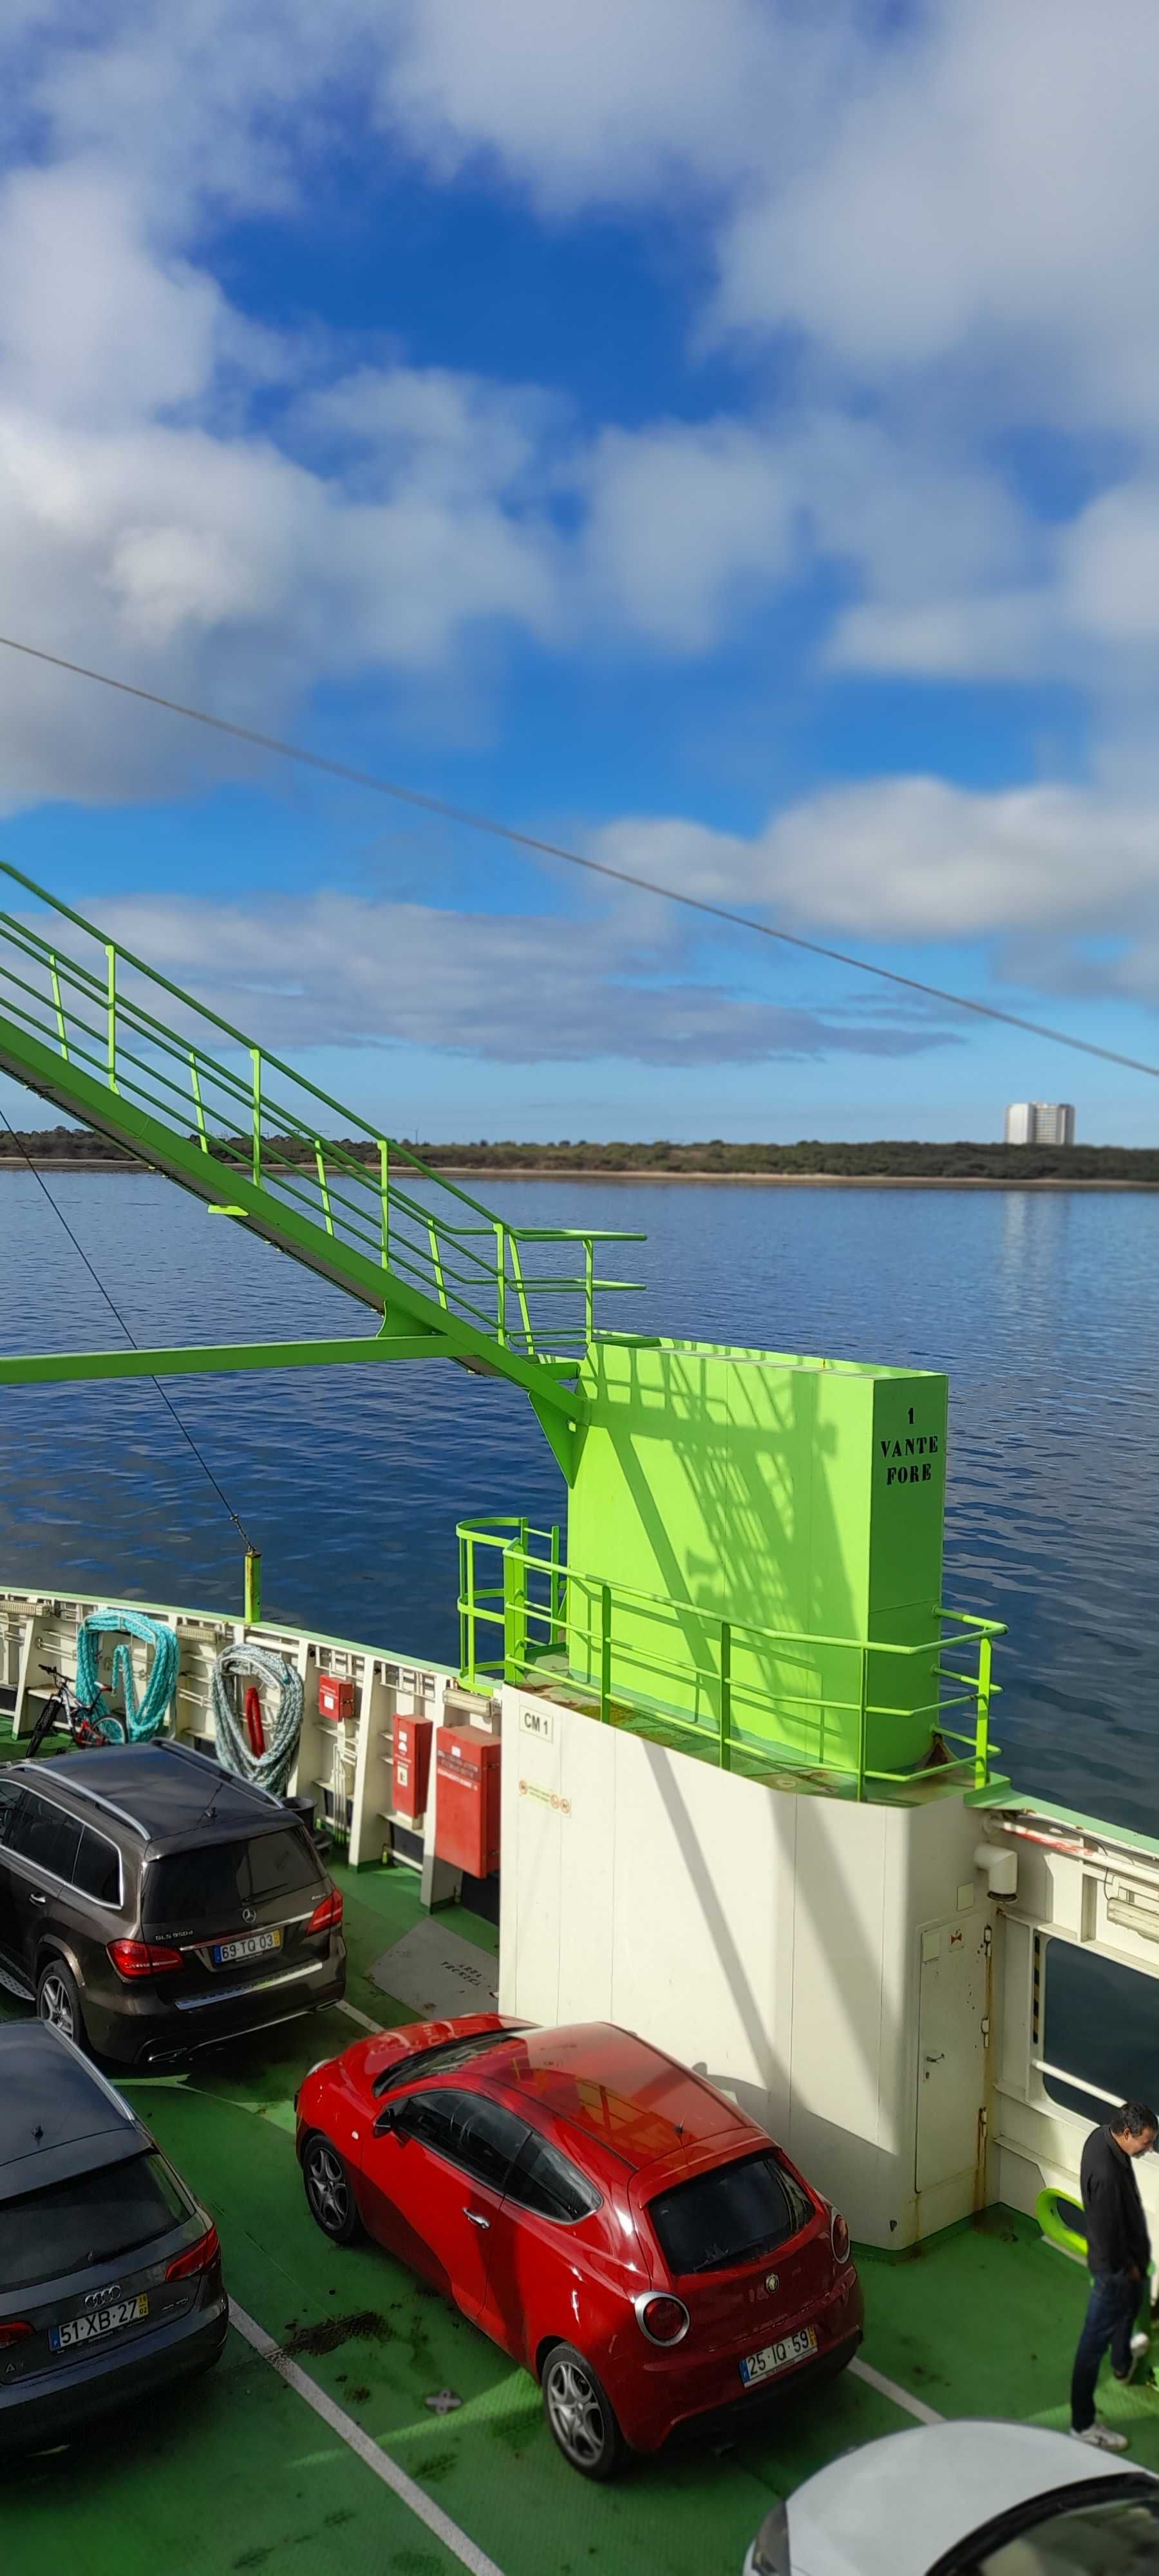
x=211, y=1882
x=95, y=2218
x=735, y=2212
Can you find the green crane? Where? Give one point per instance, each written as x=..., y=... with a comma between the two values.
x=92, y=1028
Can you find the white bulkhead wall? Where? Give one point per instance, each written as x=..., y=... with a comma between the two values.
x=806, y=1954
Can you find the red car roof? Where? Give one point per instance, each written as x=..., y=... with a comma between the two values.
x=639, y=2104
x=605, y=2081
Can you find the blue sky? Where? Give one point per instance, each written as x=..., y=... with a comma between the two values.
x=720, y=435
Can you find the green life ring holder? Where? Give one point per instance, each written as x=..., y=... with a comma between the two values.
x=1057, y=2230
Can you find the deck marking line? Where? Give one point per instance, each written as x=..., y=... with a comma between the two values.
x=358, y=2440
x=901, y=2396
x=352, y=2014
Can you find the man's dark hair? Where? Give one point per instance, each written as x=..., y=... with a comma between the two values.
x=1134, y=2119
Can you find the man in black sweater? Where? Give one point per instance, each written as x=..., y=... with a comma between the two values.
x=1119, y=2253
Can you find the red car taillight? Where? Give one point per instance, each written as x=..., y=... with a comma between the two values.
x=143, y=1958
x=198, y=2258
x=327, y=1915
x=661, y=2318
x=14, y=2330
x=838, y=2237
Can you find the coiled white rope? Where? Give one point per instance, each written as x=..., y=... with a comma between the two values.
x=271, y=1769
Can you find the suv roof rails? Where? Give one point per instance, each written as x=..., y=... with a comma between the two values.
x=80, y=1789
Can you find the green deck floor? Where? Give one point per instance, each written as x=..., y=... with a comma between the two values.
x=238, y=2473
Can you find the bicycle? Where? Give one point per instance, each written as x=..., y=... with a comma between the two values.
x=64, y=1714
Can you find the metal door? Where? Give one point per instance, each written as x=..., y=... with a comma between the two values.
x=951, y=2048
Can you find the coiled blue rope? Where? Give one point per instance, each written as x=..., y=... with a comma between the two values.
x=144, y=1718
x=271, y=1769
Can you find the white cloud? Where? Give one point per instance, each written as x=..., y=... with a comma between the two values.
x=682, y=522
x=938, y=221
x=986, y=194
x=915, y=859
x=273, y=969
x=600, y=101
x=95, y=327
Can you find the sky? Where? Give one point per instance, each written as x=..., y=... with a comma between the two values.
x=718, y=436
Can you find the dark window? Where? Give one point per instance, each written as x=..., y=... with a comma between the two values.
x=729, y=2214
x=440, y=2060
x=97, y=1868
x=41, y=1833
x=1101, y=2022
x=473, y=2132
x=11, y=1796
x=209, y=1883
x=434, y=2118
x=544, y=2180
x=490, y=2140
x=94, y=2219
x=1107, y=2538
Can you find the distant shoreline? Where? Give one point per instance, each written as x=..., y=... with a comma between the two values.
x=729, y=1180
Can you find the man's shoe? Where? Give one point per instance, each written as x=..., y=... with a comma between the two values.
x=1140, y=2343
x=1100, y=2437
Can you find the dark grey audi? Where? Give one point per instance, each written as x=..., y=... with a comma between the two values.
x=151, y=1904
x=110, y=2270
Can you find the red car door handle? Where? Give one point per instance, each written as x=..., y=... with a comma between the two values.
x=475, y=2219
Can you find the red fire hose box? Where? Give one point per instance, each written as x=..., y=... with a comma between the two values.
x=467, y=1812
x=335, y=1697
x=412, y=1765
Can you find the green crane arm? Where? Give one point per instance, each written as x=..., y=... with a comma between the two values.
x=95, y=1030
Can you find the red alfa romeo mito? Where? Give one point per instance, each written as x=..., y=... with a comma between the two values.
x=621, y=2229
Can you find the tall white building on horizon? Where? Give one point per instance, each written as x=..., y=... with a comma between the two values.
x=1040, y=1122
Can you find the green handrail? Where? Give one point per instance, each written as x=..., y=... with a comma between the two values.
x=157, y=1054
x=510, y=1607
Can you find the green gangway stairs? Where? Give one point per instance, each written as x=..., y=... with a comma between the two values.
x=93, y=1029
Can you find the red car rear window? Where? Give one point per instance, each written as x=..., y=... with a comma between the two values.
x=728, y=2214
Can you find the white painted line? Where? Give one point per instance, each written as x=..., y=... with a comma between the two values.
x=901, y=2396
x=352, y=2014
x=359, y=2441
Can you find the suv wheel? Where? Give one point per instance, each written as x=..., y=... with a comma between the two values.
x=328, y=2191
x=579, y=2414
x=58, y=2002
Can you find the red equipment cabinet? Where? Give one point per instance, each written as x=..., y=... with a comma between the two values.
x=412, y=1765
x=335, y=1697
x=467, y=1813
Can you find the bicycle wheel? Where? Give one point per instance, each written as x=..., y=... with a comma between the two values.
x=47, y=1724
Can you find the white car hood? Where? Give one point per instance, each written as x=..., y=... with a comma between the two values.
x=894, y=2507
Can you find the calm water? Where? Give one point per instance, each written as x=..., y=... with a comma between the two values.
x=1042, y=1309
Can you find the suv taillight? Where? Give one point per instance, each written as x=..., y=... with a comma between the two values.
x=143, y=1958
x=327, y=1915
x=14, y=2330
x=663, y=2319
x=198, y=2258
x=838, y=2236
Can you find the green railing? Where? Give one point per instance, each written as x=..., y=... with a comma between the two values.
x=536, y=1602
x=108, y=1018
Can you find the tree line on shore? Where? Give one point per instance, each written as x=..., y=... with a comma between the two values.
x=890, y=1158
